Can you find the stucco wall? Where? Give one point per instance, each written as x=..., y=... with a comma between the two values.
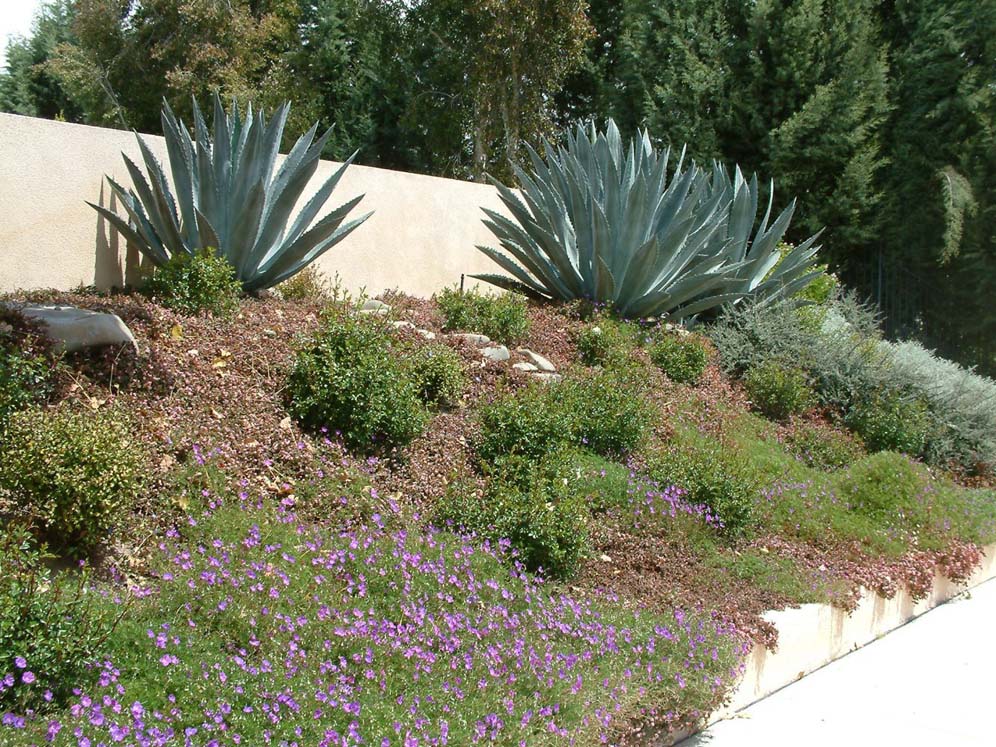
x=420, y=238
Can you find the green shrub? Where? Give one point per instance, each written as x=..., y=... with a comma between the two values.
x=778, y=390
x=823, y=447
x=682, y=358
x=437, y=371
x=721, y=480
x=600, y=412
x=606, y=411
x=891, y=421
x=533, y=505
x=191, y=284
x=50, y=620
x=503, y=318
x=349, y=380
x=605, y=342
x=308, y=285
x=26, y=363
x=71, y=471
x=885, y=484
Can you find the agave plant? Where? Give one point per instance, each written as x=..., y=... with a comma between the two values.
x=228, y=196
x=604, y=222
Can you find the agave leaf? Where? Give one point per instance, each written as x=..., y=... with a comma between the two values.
x=509, y=284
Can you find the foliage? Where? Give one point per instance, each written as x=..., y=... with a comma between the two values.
x=50, y=630
x=348, y=380
x=891, y=421
x=532, y=505
x=602, y=412
x=307, y=285
x=721, y=480
x=71, y=472
x=26, y=363
x=605, y=342
x=823, y=447
x=841, y=357
x=504, y=318
x=682, y=357
x=603, y=222
x=885, y=484
x=962, y=403
x=437, y=371
x=229, y=196
x=193, y=283
x=778, y=390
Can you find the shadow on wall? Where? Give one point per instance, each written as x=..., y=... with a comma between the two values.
x=109, y=271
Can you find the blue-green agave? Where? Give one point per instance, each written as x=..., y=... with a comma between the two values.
x=609, y=223
x=227, y=196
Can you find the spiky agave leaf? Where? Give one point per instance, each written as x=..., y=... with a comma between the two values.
x=610, y=222
x=225, y=194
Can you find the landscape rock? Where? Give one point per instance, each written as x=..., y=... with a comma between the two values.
x=496, y=353
x=537, y=360
x=525, y=367
x=373, y=306
x=77, y=329
x=477, y=340
x=402, y=325
x=428, y=335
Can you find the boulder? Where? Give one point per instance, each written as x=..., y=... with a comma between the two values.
x=496, y=353
x=426, y=334
x=525, y=367
x=77, y=329
x=537, y=360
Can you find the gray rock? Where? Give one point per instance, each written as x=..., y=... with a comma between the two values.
x=372, y=304
x=402, y=325
x=77, y=329
x=537, y=360
x=548, y=377
x=477, y=340
x=677, y=329
x=496, y=353
x=426, y=334
x=525, y=367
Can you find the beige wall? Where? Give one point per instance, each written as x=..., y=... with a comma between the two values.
x=420, y=238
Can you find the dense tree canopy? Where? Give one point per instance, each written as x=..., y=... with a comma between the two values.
x=878, y=116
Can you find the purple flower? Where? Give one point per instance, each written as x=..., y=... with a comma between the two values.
x=28, y=677
x=20, y=662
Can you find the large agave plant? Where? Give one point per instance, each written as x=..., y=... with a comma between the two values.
x=228, y=196
x=610, y=223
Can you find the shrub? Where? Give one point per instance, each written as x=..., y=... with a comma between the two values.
x=437, y=371
x=532, y=505
x=601, y=412
x=778, y=390
x=963, y=404
x=194, y=283
x=308, y=285
x=841, y=355
x=891, y=421
x=722, y=481
x=682, y=358
x=886, y=484
x=823, y=447
x=606, y=411
x=503, y=318
x=349, y=380
x=48, y=620
x=606, y=342
x=26, y=363
x=71, y=471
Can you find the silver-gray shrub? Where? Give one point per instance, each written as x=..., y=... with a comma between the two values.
x=228, y=193
x=962, y=402
x=613, y=222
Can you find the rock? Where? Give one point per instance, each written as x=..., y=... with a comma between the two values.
x=402, y=325
x=477, y=340
x=77, y=329
x=270, y=332
x=548, y=377
x=426, y=334
x=496, y=353
x=537, y=360
x=525, y=367
x=372, y=304
x=677, y=329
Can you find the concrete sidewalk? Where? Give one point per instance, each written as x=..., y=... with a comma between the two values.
x=928, y=683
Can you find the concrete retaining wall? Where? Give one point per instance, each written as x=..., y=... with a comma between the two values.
x=419, y=240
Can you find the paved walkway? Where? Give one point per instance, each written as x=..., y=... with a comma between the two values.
x=930, y=682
